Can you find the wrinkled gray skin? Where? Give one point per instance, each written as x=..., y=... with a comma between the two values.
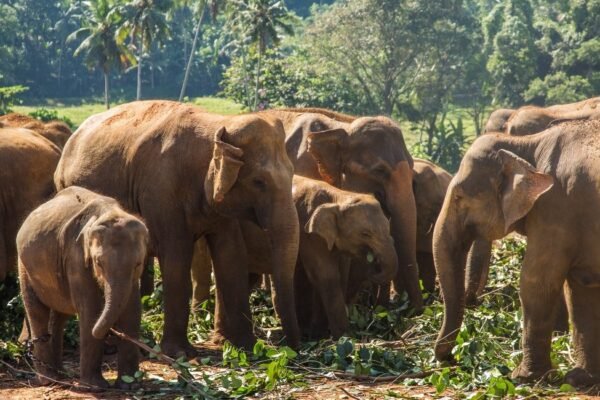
x=545, y=186
x=498, y=119
x=81, y=253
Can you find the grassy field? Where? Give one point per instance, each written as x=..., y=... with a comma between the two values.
x=78, y=112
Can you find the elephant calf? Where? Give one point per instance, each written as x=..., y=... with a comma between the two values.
x=338, y=226
x=81, y=253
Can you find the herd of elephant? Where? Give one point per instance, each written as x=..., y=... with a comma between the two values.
x=322, y=202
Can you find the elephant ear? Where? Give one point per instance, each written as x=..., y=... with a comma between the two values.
x=323, y=222
x=327, y=147
x=224, y=168
x=84, y=238
x=522, y=186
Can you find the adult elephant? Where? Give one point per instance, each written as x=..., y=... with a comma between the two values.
x=193, y=174
x=55, y=131
x=530, y=119
x=546, y=187
x=367, y=155
x=27, y=163
x=498, y=119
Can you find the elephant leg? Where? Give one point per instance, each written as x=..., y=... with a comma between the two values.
x=584, y=309
x=562, y=316
x=147, y=280
x=4, y=267
x=57, y=330
x=233, y=320
x=38, y=315
x=426, y=270
x=175, y=260
x=128, y=357
x=541, y=285
x=323, y=270
x=478, y=268
x=254, y=281
x=91, y=349
x=201, y=270
x=383, y=294
x=318, y=326
x=303, y=293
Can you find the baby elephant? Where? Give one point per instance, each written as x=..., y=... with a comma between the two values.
x=81, y=253
x=337, y=227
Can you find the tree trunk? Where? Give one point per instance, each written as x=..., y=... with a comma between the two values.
x=257, y=86
x=106, y=99
x=191, y=57
x=138, y=95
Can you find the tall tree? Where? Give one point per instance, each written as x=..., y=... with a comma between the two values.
x=514, y=60
x=101, y=47
x=146, y=22
x=260, y=23
x=214, y=6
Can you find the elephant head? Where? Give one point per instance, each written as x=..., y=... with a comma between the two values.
x=358, y=227
x=115, y=247
x=250, y=177
x=369, y=155
x=492, y=192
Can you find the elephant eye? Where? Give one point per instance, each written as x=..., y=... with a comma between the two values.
x=365, y=234
x=259, y=184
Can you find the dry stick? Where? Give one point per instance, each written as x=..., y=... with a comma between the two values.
x=162, y=357
x=416, y=375
x=350, y=394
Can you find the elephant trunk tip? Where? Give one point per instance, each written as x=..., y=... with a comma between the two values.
x=443, y=351
x=99, y=331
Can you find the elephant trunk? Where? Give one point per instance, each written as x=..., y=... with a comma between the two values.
x=450, y=254
x=388, y=264
x=284, y=235
x=400, y=202
x=116, y=296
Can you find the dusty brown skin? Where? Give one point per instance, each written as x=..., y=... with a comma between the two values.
x=530, y=119
x=508, y=183
x=498, y=119
x=192, y=174
x=337, y=226
x=366, y=155
x=81, y=253
x=27, y=163
x=56, y=131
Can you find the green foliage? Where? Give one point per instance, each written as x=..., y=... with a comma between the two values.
x=43, y=114
x=446, y=145
x=8, y=97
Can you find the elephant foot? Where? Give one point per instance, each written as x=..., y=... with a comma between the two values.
x=122, y=385
x=46, y=377
x=93, y=384
x=579, y=377
x=471, y=300
x=176, y=349
x=525, y=374
x=246, y=343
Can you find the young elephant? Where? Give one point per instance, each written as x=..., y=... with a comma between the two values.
x=337, y=225
x=545, y=186
x=81, y=253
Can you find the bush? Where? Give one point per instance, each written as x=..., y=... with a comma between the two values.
x=8, y=97
x=46, y=115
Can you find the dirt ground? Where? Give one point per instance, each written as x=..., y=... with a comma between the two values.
x=16, y=382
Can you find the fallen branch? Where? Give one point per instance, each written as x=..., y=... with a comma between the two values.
x=394, y=378
x=161, y=356
x=350, y=394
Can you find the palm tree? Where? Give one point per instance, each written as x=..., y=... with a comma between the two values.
x=146, y=22
x=101, y=47
x=214, y=6
x=261, y=22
